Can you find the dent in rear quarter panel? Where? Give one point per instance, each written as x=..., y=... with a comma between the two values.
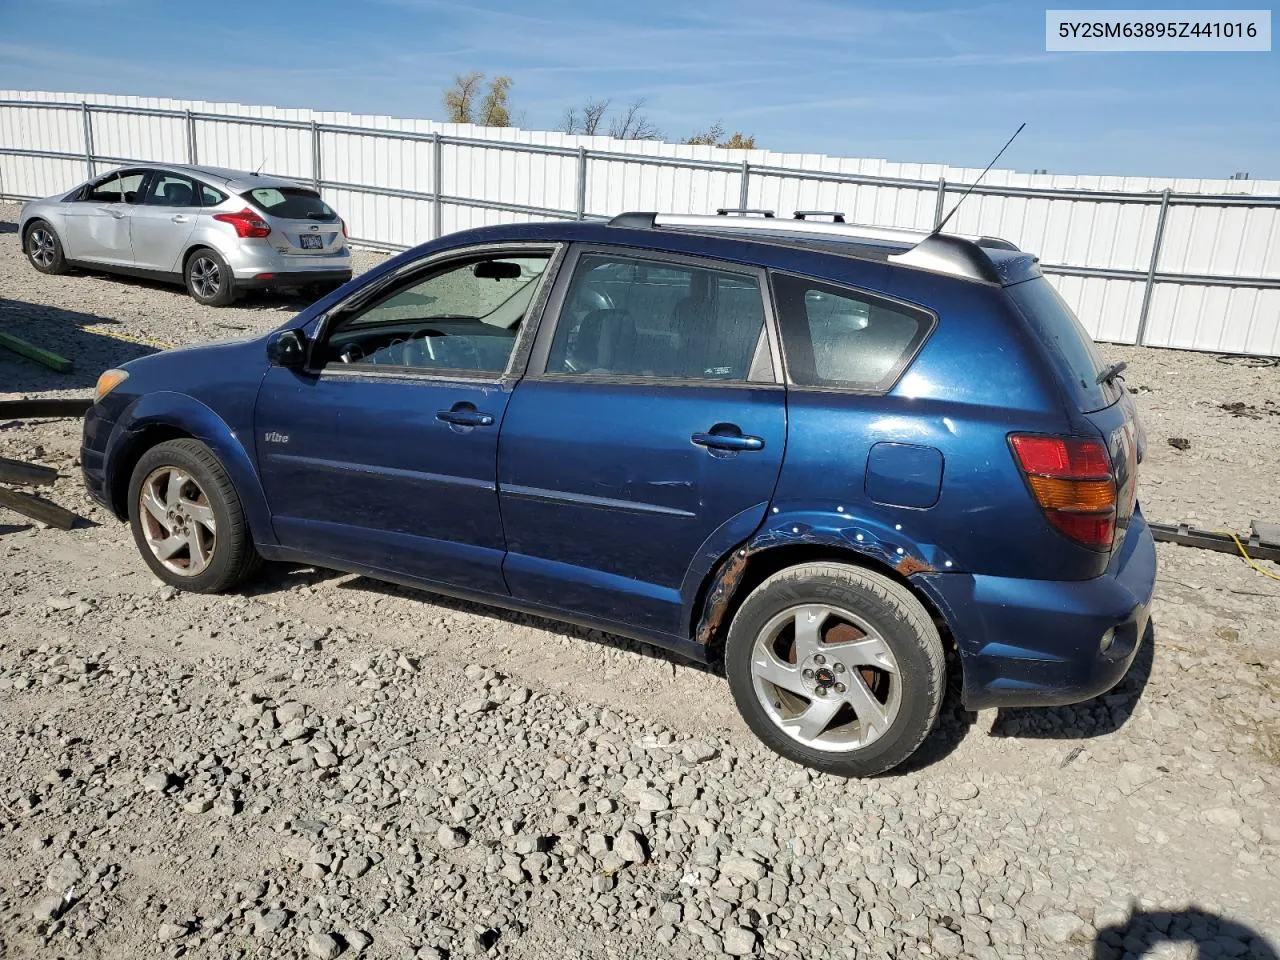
x=973, y=382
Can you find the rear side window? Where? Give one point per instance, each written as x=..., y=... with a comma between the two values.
x=1072, y=349
x=209, y=197
x=662, y=320
x=291, y=203
x=837, y=337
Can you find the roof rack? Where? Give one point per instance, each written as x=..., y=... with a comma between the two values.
x=954, y=254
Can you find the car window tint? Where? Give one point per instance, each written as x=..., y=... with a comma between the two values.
x=209, y=197
x=114, y=189
x=837, y=337
x=465, y=317
x=291, y=203
x=171, y=190
x=641, y=318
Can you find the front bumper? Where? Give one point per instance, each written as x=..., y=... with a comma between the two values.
x=93, y=454
x=1038, y=642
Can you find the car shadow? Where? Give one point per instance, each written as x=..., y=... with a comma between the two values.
x=282, y=576
x=1092, y=718
x=284, y=299
x=1145, y=933
x=65, y=333
x=7, y=226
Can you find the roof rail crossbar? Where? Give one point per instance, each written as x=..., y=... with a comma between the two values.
x=835, y=215
x=744, y=212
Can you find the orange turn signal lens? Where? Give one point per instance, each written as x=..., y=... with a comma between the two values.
x=1084, y=496
x=108, y=381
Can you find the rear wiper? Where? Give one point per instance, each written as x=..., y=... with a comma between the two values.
x=1113, y=371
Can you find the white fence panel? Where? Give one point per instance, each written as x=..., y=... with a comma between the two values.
x=1214, y=283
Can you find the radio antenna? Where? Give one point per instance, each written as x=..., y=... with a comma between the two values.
x=943, y=222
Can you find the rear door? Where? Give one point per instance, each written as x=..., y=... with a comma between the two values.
x=645, y=439
x=163, y=222
x=383, y=453
x=302, y=223
x=97, y=224
x=1104, y=405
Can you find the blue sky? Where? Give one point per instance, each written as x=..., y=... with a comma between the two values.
x=911, y=81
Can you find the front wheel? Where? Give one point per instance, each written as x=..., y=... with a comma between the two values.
x=187, y=519
x=44, y=248
x=836, y=667
x=209, y=279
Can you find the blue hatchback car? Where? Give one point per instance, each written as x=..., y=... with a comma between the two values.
x=827, y=456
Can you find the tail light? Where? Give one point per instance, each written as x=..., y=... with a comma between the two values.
x=1071, y=479
x=345, y=235
x=246, y=222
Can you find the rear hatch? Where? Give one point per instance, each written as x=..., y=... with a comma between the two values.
x=301, y=222
x=1099, y=400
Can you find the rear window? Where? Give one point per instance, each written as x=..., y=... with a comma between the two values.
x=1077, y=360
x=842, y=338
x=291, y=203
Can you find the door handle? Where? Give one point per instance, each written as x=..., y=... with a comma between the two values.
x=118, y=214
x=180, y=218
x=727, y=441
x=465, y=417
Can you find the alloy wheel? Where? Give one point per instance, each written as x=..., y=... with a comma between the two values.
x=177, y=521
x=826, y=677
x=40, y=246
x=206, y=278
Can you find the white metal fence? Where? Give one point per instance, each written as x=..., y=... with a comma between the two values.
x=1193, y=264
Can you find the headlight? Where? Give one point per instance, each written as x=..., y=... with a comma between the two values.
x=109, y=380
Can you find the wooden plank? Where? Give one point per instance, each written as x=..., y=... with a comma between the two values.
x=32, y=352
x=31, y=474
x=44, y=407
x=37, y=509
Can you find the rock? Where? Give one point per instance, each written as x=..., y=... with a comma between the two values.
x=698, y=751
x=1061, y=927
x=482, y=705
x=739, y=941
x=323, y=946
x=964, y=791
x=64, y=875
x=47, y=909
x=743, y=869
x=630, y=846
x=653, y=801
x=451, y=838
x=357, y=940
x=172, y=931
x=356, y=866
x=945, y=943
x=157, y=781
x=269, y=922
x=199, y=805
x=1222, y=817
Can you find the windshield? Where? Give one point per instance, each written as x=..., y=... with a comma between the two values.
x=291, y=203
x=1074, y=353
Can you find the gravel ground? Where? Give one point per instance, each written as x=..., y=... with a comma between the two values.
x=326, y=766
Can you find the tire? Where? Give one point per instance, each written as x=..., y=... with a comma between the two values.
x=209, y=280
x=207, y=508
x=43, y=248
x=837, y=613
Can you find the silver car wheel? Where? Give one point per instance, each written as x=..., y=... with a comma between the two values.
x=206, y=278
x=177, y=521
x=40, y=246
x=826, y=677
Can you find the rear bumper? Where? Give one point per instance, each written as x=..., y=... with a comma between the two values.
x=1038, y=642
x=294, y=278
x=252, y=257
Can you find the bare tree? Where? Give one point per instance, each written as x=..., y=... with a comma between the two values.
x=460, y=99
x=494, y=111
x=585, y=119
x=632, y=124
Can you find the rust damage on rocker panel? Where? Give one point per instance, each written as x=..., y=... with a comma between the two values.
x=721, y=591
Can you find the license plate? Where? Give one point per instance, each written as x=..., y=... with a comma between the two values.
x=311, y=242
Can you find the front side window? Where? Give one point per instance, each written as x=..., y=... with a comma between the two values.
x=171, y=190
x=837, y=337
x=464, y=317
x=117, y=187
x=655, y=319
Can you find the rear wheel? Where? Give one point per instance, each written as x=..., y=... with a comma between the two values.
x=836, y=667
x=187, y=519
x=209, y=279
x=44, y=248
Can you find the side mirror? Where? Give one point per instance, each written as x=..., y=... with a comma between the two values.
x=288, y=348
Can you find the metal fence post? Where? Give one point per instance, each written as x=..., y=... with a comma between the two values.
x=193, y=155
x=437, y=187
x=1156, y=244
x=940, y=202
x=582, y=184
x=88, y=139
x=315, y=155
x=744, y=182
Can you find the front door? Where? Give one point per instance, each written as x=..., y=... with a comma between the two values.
x=645, y=440
x=96, y=225
x=384, y=452
x=163, y=222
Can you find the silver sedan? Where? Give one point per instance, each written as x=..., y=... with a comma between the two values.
x=217, y=231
